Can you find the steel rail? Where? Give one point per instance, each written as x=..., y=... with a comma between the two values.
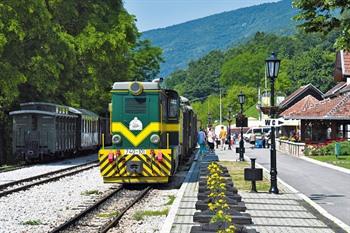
x=24, y=187
x=76, y=218
x=3, y=186
x=115, y=220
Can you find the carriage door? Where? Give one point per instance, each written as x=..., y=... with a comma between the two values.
x=46, y=123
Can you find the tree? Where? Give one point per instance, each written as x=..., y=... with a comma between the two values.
x=325, y=16
x=146, y=61
x=202, y=76
x=314, y=66
x=68, y=52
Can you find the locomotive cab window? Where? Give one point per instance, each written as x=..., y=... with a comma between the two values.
x=173, y=108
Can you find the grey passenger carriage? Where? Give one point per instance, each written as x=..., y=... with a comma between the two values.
x=45, y=130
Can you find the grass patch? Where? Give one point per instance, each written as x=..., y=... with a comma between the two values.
x=32, y=222
x=108, y=215
x=236, y=170
x=342, y=161
x=6, y=168
x=171, y=200
x=90, y=192
x=140, y=215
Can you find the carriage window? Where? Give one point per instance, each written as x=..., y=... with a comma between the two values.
x=173, y=108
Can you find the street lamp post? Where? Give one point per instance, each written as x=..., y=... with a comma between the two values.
x=209, y=119
x=272, y=68
x=241, y=99
x=229, y=120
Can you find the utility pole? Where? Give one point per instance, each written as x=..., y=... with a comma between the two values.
x=220, y=109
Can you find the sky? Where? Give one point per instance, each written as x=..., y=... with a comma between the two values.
x=151, y=14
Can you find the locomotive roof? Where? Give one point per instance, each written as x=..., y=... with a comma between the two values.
x=126, y=85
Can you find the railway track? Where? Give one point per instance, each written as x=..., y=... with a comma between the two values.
x=23, y=184
x=105, y=213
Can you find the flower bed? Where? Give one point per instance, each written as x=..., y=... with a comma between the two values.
x=327, y=148
x=219, y=203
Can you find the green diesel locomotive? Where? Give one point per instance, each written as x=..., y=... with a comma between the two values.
x=153, y=130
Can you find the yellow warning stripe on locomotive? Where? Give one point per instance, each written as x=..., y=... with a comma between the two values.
x=118, y=127
x=151, y=167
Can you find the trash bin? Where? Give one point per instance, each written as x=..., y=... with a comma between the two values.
x=258, y=143
x=337, y=149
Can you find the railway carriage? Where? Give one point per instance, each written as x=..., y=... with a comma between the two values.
x=44, y=130
x=150, y=129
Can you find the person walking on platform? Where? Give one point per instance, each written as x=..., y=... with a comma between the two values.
x=201, y=141
x=222, y=136
x=263, y=138
x=211, y=139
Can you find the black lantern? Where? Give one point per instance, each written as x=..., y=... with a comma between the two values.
x=241, y=98
x=272, y=68
x=241, y=149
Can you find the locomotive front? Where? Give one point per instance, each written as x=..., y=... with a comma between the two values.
x=145, y=129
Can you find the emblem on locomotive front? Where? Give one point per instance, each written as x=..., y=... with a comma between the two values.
x=135, y=124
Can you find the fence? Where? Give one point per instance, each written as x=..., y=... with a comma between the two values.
x=291, y=148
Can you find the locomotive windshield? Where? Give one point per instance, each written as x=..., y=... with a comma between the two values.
x=135, y=105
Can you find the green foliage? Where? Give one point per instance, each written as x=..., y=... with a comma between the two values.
x=313, y=66
x=171, y=200
x=140, y=215
x=33, y=222
x=192, y=40
x=69, y=52
x=305, y=59
x=252, y=111
x=329, y=149
x=108, y=214
x=201, y=78
x=325, y=17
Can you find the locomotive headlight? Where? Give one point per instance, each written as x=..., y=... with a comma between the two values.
x=136, y=88
x=116, y=139
x=155, y=139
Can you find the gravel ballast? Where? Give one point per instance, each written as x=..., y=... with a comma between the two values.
x=156, y=200
x=43, y=207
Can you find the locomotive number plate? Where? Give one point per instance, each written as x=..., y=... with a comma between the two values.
x=135, y=151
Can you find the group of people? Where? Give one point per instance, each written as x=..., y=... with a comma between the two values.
x=211, y=139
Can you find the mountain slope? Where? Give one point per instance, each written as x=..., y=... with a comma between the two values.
x=191, y=40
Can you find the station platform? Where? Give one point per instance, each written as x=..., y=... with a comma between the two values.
x=285, y=212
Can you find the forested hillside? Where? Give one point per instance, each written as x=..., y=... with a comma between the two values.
x=305, y=59
x=67, y=52
x=188, y=41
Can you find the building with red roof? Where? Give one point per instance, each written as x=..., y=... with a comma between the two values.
x=324, y=119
